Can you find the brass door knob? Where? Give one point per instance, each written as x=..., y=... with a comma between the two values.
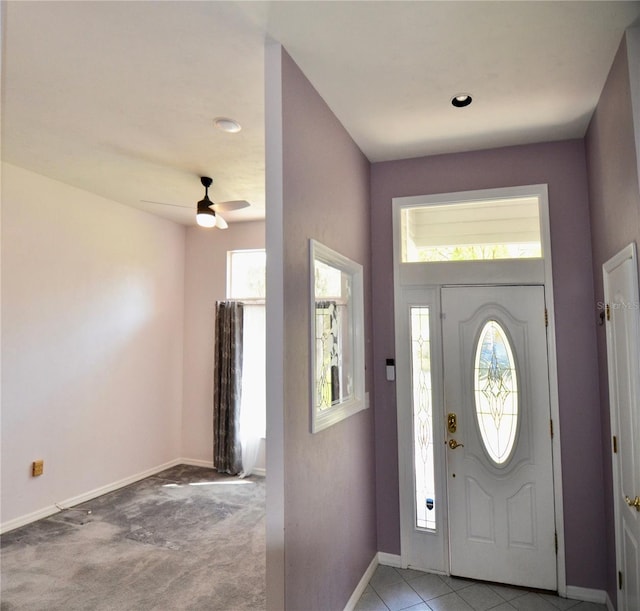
x=453, y=444
x=633, y=502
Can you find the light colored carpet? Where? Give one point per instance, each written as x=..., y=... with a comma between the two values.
x=185, y=539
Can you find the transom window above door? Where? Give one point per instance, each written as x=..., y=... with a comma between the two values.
x=507, y=228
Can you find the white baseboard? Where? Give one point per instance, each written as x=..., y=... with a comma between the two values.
x=379, y=558
x=362, y=584
x=393, y=560
x=195, y=462
x=587, y=595
x=50, y=510
x=390, y=560
x=610, y=606
x=45, y=512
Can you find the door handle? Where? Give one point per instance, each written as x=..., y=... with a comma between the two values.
x=633, y=502
x=453, y=444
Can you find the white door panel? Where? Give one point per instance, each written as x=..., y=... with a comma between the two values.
x=623, y=347
x=499, y=480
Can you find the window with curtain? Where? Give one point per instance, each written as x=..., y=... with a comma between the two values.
x=246, y=282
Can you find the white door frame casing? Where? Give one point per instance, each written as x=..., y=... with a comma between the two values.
x=501, y=520
x=437, y=544
x=409, y=277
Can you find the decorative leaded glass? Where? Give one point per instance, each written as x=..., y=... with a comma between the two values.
x=496, y=392
x=424, y=470
x=327, y=362
x=336, y=326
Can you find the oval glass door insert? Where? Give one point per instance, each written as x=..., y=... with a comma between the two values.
x=496, y=392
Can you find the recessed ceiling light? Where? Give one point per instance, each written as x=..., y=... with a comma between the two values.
x=461, y=100
x=227, y=125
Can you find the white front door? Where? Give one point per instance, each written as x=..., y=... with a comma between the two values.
x=496, y=397
x=623, y=346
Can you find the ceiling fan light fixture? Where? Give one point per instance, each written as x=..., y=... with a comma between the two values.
x=461, y=100
x=208, y=212
x=205, y=216
x=231, y=126
x=206, y=219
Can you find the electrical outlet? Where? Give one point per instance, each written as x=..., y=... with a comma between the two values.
x=37, y=468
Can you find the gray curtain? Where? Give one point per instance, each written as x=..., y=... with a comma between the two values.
x=227, y=387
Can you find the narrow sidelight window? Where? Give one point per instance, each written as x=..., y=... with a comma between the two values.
x=424, y=470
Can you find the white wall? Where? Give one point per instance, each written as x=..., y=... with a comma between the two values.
x=205, y=283
x=92, y=345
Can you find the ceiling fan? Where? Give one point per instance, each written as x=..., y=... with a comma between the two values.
x=208, y=212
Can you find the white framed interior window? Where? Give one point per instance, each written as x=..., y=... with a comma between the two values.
x=336, y=336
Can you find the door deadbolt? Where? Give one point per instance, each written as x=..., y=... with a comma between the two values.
x=452, y=423
x=633, y=502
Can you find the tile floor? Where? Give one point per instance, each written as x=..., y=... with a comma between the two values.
x=393, y=589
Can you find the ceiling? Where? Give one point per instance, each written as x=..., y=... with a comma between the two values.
x=118, y=98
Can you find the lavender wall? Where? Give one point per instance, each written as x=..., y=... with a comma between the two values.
x=562, y=166
x=615, y=222
x=329, y=478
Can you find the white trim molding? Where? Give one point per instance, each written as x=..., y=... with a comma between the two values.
x=393, y=560
x=362, y=584
x=390, y=560
x=50, y=510
x=589, y=595
x=381, y=558
x=350, y=274
x=195, y=462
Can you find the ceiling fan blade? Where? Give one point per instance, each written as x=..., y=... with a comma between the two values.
x=147, y=201
x=235, y=204
x=220, y=222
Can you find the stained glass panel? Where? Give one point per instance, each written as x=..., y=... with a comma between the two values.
x=496, y=392
x=333, y=336
x=425, y=496
x=327, y=354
